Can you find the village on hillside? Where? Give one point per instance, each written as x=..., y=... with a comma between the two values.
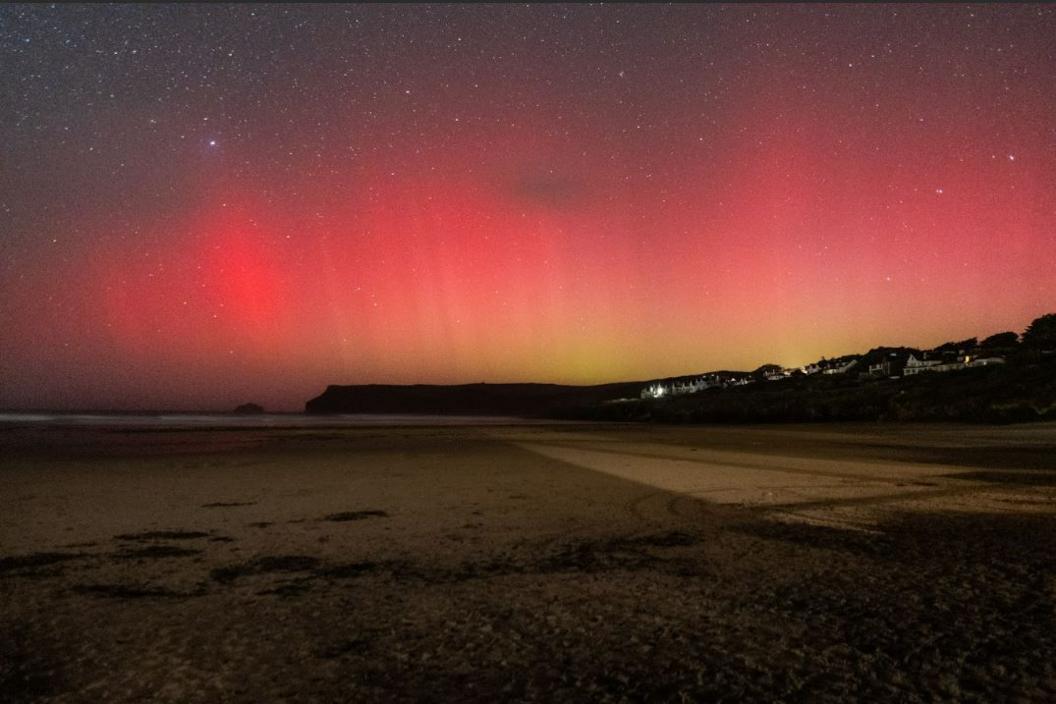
x=879, y=363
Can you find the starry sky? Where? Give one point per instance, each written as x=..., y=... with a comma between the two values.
x=210, y=204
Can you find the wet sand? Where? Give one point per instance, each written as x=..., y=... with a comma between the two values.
x=528, y=563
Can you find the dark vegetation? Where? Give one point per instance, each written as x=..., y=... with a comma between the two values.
x=1041, y=334
x=1010, y=393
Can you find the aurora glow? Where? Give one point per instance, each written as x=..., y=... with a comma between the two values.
x=204, y=205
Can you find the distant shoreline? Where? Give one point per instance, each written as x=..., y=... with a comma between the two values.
x=266, y=421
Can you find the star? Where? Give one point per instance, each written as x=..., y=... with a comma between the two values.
x=450, y=151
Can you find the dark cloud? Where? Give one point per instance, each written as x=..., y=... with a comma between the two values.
x=548, y=187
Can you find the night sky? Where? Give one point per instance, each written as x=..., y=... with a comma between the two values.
x=206, y=205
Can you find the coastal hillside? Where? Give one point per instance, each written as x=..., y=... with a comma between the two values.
x=468, y=399
x=1006, y=377
x=1011, y=393
x=1003, y=378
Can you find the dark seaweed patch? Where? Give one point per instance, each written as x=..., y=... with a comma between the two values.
x=128, y=591
x=1029, y=478
x=821, y=537
x=228, y=504
x=263, y=565
x=156, y=552
x=625, y=553
x=348, y=570
x=671, y=539
x=355, y=515
x=35, y=560
x=163, y=535
x=287, y=590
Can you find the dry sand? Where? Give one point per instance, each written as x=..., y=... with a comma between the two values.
x=528, y=563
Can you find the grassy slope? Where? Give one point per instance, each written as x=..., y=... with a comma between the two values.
x=1000, y=394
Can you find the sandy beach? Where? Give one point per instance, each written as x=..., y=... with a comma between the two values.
x=528, y=563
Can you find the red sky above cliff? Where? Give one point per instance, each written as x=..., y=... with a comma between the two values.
x=202, y=206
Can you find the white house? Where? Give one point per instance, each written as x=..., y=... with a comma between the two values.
x=679, y=388
x=654, y=391
x=916, y=366
x=840, y=367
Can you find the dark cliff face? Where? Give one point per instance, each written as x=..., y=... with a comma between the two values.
x=467, y=399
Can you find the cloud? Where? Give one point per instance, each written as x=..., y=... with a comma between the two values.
x=547, y=186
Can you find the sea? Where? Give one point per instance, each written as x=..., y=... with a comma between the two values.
x=264, y=420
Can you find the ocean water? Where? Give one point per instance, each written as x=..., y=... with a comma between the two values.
x=227, y=420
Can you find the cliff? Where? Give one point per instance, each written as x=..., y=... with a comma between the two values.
x=467, y=399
